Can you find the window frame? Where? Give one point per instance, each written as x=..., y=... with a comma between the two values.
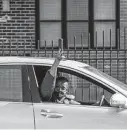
x=91, y=25
x=26, y=95
x=90, y=20
x=90, y=80
x=75, y=73
x=38, y=21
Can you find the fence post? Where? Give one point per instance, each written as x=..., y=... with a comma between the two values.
x=103, y=53
x=17, y=47
x=89, y=63
x=118, y=38
x=2, y=47
x=125, y=53
x=89, y=46
x=118, y=52
x=103, y=50
x=31, y=46
x=96, y=61
x=52, y=47
x=10, y=46
x=45, y=47
x=82, y=46
x=110, y=51
x=38, y=48
x=74, y=47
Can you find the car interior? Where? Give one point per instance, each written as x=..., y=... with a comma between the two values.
x=86, y=90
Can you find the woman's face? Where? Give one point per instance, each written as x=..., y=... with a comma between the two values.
x=64, y=88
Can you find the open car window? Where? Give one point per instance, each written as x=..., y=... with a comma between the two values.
x=86, y=90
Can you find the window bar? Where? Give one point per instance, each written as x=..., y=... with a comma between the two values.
x=68, y=48
x=96, y=61
x=24, y=47
x=118, y=54
x=31, y=47
x=38, y=49
x=103, y=50
x=45, y=48
x=96, y=49
x=2, y=47
x=17, y=48
x=82, y=46
x=103, y=54
x=10, y=47
x=74, y=47
x=52, y=47
x=89, y=59
x=89, y=46
x=125, y=53
x=117, y=64
x=110, y=52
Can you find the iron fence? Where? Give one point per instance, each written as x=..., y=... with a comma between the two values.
x=109, y=59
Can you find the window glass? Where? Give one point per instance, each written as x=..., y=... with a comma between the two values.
x=50, y=31
x=77, y=9
x=79, y=30
x=104, y=9
x=75, y=20
x=50, y=9
x=11, y=83
x=99, y=37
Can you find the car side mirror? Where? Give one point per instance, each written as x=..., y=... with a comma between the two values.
x=118, y=100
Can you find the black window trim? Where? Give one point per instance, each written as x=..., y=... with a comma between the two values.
x=90, y=25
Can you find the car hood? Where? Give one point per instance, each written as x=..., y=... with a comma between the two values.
x=16, y=116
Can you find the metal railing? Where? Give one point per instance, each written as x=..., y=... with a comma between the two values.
x=109, y=59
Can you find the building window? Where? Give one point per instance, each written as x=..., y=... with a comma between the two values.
x=77, y=22
x=105, y=22
x=91, y=23
x=50, y=22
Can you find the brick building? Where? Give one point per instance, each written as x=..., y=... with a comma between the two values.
x=92, y=30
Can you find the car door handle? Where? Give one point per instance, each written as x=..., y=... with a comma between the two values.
x=50, y=114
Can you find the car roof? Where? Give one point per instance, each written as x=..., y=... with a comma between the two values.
x=71, y=64
x=39, y=60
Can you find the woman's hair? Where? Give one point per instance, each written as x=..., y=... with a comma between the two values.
x=60, y=81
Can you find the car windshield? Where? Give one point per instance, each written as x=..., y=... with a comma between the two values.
x=108, y=77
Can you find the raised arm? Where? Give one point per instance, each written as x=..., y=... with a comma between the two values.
x=53, y=70
x=48, y=84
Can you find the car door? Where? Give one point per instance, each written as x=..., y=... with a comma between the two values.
x=16, y=110
x=89, y=114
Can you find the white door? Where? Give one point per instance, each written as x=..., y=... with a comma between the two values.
x=16, y=110
x=87, y=115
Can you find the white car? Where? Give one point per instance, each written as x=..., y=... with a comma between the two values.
x=103, y=99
